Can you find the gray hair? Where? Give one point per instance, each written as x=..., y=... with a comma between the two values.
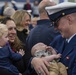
x=8, y=11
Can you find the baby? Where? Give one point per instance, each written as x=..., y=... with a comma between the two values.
x=49, y=54
x=6, y=54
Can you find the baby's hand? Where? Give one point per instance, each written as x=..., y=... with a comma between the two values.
x=21, y=51
x=58, y=56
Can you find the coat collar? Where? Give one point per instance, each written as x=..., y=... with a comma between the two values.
x=69, y=47
x=43, y=22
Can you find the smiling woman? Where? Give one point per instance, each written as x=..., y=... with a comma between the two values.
x=16, y=44
x=22, y=20
x=7, y=55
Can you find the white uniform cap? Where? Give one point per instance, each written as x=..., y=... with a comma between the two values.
x=60, y=10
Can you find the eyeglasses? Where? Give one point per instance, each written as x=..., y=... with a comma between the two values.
x=55, y=23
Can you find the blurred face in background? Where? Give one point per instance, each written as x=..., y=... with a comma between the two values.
x=34, y=21
x=36, y=2
x=27, y=1
x=26, y=21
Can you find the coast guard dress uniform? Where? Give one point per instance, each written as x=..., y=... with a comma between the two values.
x=68, y=57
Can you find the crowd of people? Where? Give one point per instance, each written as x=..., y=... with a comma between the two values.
x=30, y=7
x=44, y=44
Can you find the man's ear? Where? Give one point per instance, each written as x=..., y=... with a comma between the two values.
x=70, y=19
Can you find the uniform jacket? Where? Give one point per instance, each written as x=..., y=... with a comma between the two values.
x=43, y=32
x=68, y=57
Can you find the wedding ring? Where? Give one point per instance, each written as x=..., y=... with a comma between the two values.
x=39, y=73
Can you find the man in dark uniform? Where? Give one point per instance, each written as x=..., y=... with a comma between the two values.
x=63, y=16
x=43, y=32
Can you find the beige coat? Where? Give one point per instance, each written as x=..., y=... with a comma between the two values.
x=57, y=68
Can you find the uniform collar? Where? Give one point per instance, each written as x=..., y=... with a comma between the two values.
x=68, y=40
x=44, y=21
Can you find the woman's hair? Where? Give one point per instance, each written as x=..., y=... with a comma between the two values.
x=3, y=29
x=19, y=16
x=17, y=44
x=4, y=20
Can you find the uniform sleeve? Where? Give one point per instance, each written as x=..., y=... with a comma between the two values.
x=74, y=68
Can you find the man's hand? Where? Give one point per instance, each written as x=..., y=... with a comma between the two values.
x=40, y=65
x=45, y=3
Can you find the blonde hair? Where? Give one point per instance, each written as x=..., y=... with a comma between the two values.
x=19, y=16
x=3, y=29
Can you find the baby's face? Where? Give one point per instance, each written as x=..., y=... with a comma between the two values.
x=42, y=53
x=38, y=47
